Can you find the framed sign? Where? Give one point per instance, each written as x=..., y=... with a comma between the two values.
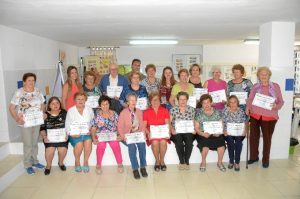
x=180, y=61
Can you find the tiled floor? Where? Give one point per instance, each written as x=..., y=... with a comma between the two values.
x=281, y=180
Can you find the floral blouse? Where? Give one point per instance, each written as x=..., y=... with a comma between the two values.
x=149, y=86
x=92, y=92
x=189, y=114
x=202, y=117
x=105, y=125
x=233, y=117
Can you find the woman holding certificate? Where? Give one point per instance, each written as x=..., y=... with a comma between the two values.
x=239, y=86
x=166, y=85
x=70, y=87
x=104, y=131
x=151, y=82
x=78, y=123
x=182, y=85
x=54, y=135
x=131, y=129
x=92, y=91
x=264, y=101
x=217, y=89
x=26, y=108
x=139, y=90
x=182, y=129
x=209, y=126
x=156, y=120
x=235, y=127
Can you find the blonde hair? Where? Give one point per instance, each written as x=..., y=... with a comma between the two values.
x=263, y=68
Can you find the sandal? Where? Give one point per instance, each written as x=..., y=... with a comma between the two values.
x=163, y=167
x=202, y=168
x=78, y=169
x=230, y=166
x=85, y=169
x=98, y=170
x=120, y=168
x=236, y=167
x=221, y=167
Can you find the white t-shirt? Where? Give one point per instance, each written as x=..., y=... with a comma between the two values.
x=113, y=81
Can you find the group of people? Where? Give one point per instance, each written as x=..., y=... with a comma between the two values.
x=139, y=110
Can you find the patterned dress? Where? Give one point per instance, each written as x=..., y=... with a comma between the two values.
x=233, y=117
x=149, y=86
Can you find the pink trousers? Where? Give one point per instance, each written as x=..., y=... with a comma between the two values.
x=114, y=145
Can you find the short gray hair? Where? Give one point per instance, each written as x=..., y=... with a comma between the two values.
x=131, y=95
x=214, y=68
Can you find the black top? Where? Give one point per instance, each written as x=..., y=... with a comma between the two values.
x=199, y=85
x=54, y=122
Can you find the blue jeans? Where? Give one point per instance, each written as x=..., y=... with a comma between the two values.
x=235, y=145
x=133, y=156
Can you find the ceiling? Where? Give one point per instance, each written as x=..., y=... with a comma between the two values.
x=115, y=22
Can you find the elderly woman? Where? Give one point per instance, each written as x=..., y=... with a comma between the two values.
x=92, y=91
x=182, y=129
x=235, y=127
x=28, y=101
x=106, y=122
x=166, y=85
x=263, y=117
x=70, y=87
x=182, y=85
x=54, y=124
x=210, y=139
x=157, y=116
x=151, y=82
x=217, y=84
x=139, y=90
x=195, y=79
x=239, y=86
x=130, y=121
x=78, y=123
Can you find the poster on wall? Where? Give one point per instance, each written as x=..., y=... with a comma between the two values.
x=180, y=61
x=95, y=62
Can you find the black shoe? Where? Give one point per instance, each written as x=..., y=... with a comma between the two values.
x=62, y=167
x=252, y=161
x=265, y=165
x=156, y=168
x=47, y=172
x=136, y=174
x=144, y=172
x=163, y=167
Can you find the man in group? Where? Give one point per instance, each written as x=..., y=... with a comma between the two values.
x=135, y=67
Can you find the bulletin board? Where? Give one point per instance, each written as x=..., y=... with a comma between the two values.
x=96, y=62
x=180, y=61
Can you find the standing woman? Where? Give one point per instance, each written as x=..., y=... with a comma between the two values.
x=195, y=79
x=263, y=118
x=92, y=91
x=182, y=85
x=70, y=87
x=209, y=141
x=130, y=121
x=233, y=114
x=106, y=121
x=28, y=100
x=78, y=123
x=157, y=115
x=239, y=84
x=151, y=82
x=183, y=140
x=216, y=84
x=55, y=121
x=166, y=85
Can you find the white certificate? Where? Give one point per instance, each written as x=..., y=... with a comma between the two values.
x=114, y=91
x=242, y=96
x=192, y=101
x=184, y=126
x=56, y=135
x=199, y=91
x=33, y=118
x=213, y=127
x=92, y=101
x=137, y=137
x=235, y=129
x=107, y=137
x=218, y=96
x=79, y=128
x=159, y=131
x=263, y=101
x=142, y=103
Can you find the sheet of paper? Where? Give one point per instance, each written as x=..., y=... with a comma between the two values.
x=114, y=91
x=198, y=92
x=56, y=135
x=218, y=96
x=33, y=118
x=107, y=137
x=263, y=101
x=235, y=129
x=213, y=127
x=142, y=103
x=184, y=126
x=242, y=96
x=137, y=137
x=159, y=131
x=92, y=101
x=192, y=101
x=79, y=128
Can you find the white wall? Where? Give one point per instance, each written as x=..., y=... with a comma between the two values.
x=23, y=52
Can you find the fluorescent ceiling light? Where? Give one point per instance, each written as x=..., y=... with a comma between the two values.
x=251, y=41
x=153, y=42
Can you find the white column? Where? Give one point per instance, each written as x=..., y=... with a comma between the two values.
x=276, y=51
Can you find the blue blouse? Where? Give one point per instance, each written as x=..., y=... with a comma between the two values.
x=141, y=92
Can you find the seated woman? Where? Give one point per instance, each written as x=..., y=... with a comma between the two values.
x=130, y=121
x=233, y=114
x=138, y=89
x=54, y=122
x=157, y=115
x=182, y=116
x=78, y=123
x=106, y=121
x=209, y=140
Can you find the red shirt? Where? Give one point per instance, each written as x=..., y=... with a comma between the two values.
x=156, y=119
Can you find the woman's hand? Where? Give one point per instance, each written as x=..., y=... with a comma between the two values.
x=274, y=106
x=119, y=137
x=45, y=138
x=95, y=141
x=173, y=132
x=20, y=119
x=44, y=116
